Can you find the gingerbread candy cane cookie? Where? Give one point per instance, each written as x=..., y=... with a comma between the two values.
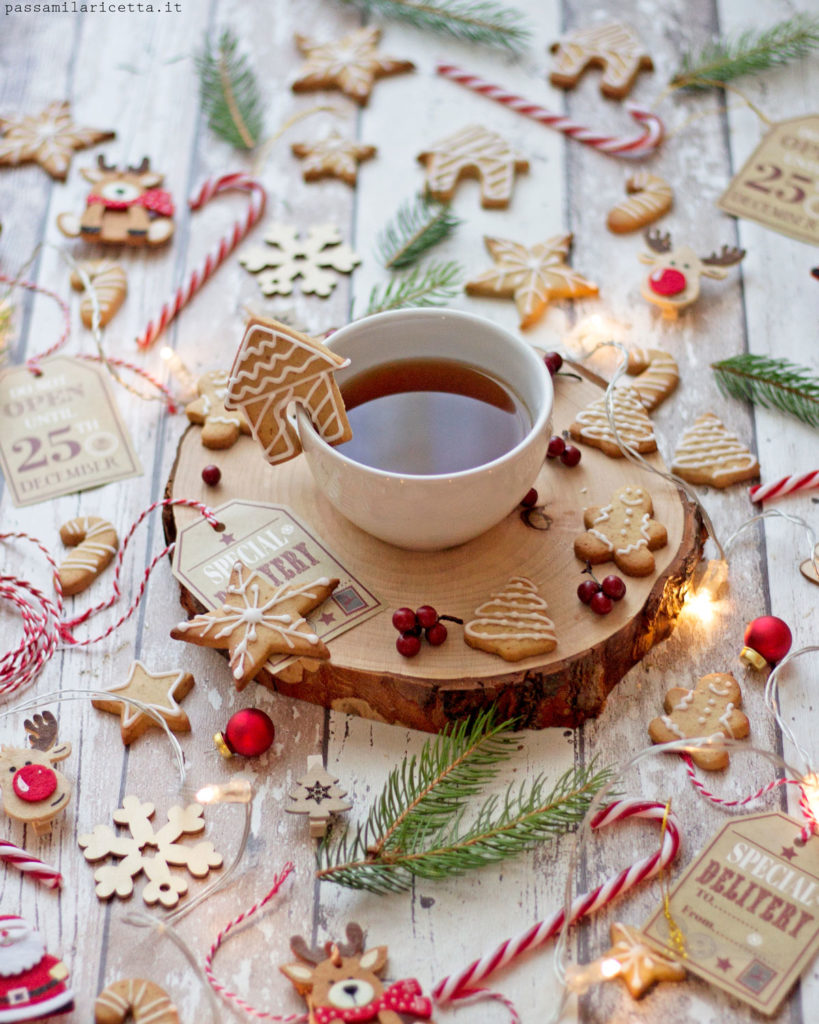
x=95, y=543
x=656, y=375
x=650, y=196
x=136, y=1000
x=110, y=286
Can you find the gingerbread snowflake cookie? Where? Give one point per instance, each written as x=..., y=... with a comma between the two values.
x=350, y=64
x=615, y=48
x=708, y=453
x=711, y=708
x=48, y=139
x=513, y=623
x=592, y=427
x=473, y=152
x=622, y=532
x=221, y=427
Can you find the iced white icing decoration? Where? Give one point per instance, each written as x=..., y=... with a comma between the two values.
x=707, y=445
x=672, y=726
x=518, y=610
x=625, y=503
x=725, y=719
x=630, y=417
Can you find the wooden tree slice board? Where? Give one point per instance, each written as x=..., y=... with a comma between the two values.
x=366, y=675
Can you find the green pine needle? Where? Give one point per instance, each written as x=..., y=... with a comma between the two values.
x=476, y=21
x=419, y=224
x=416, y=827
x=749, y=53
x=434, y=285
x=771, y=383
x=230, y=93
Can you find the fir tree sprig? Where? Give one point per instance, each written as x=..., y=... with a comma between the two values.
x=772, y=383
x=433, y=285
x=230, y=93
x=749, y=53
x=419, y=224
x=476, y=21
x=416, y=825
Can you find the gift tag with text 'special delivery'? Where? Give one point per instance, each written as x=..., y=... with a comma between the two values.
x=272, y=540
x=61, y=431
x=748, y=910
x=779, y=184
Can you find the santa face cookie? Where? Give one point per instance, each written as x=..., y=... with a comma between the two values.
x=513, y=623
x=622, y=532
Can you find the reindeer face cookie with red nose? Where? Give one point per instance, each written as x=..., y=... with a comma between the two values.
x=674, y=282
x=33, y=792
x=622, y=532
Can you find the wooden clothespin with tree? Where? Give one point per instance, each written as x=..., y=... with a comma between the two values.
x=318, y=794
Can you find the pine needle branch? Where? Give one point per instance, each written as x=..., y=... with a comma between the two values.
x=476, y=21
x=771, y=383
x=230, y=93
x=434, y=285
x=419, y=224
x=749, y=53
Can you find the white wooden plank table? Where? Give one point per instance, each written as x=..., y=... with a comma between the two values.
x=136, y=72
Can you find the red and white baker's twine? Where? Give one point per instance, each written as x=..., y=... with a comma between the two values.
x=634, y=146
x=44, y=626
x=239, y=181
x=787, y=485
x=23, y=861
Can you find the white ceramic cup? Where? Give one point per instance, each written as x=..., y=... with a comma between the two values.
x=428, y=513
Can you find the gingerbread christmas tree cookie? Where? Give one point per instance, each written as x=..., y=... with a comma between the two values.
x=48, y=139
x=531, y=275
x=350, y=64
x=592, y=427
x=332, y=157
x=622, y=532
x=473, y=152
x=708, y=453
x=615, y=48
x=258, y=620
x=513, y=623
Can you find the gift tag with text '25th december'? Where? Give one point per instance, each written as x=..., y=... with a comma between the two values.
x=272, y=540
x=748, y=909
x=779, y=184
x=61, y=431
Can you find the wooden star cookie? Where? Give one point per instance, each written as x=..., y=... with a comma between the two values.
x=532, y=276
x=640, y=965
x=259, y=619
x=710, y=708
x=221, y=427
x=350, y=64
x=48, y=139
x=159, y=690
x=332, y=157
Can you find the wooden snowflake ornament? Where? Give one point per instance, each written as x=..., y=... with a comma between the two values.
x=275, y=367
x=163, y=886
x=48, y=139
x=532, y=276
x=350, y=64
x=332, y=157
x=318, y=795
x=286, y=257
x=633, y=960
x=259, y=619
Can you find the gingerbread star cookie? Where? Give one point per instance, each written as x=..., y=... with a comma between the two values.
x=622, y=532
x=221, y=427
x=712, y=707
x=473, y=152
x=513, y=623
x=592, y=427
x=160, y=691
x=258, y=620
x=332, y=157
x=616, y=49
x=350, y=64
x=48, y=139
x=640, y=965
x=532, y=276
x=708, y=453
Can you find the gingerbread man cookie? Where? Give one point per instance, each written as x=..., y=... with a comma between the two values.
x=622, y=532
x=709, y=709
x=220, y=426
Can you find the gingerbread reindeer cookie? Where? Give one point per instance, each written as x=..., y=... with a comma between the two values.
x=711, y=708
x=622, y=532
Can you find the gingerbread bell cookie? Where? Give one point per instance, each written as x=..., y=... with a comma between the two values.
x=221, y=427
x=473, y=152
x=708, y=453
x=622, y=532
x=513, y=623
x=615, y=48
x=95, y=543
x=350, y=64
x=711, y=708
x=591, y=425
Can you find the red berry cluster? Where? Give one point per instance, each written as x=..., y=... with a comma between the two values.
x=568, y=454
x=553, y=361
x=411, y=624
x=600, y=596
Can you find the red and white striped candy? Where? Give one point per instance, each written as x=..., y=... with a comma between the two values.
x=29, y=865
x=633, y=146
x=787, y=485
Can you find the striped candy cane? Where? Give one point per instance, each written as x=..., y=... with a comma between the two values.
x=457, y=987
x=787, y=485
x=634, y=146
x=29, y=865
x=215, y=258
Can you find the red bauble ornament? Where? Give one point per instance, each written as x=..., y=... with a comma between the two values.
x=767, y=640
x=249, y=732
